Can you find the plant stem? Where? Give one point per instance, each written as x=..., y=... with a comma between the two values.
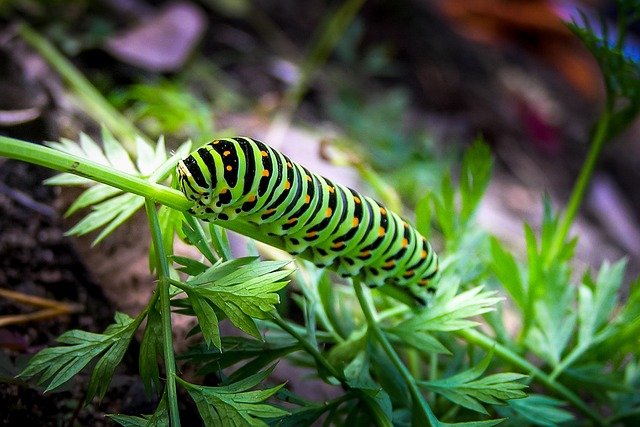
x=418, y=400
x=313, y=351
x=64, y=162
x=579, y=190
x=165, y=311
x=475, y=337
x=96, y=105
x=380, y=418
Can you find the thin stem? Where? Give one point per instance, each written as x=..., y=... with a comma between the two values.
x=96, y=104
x=379, y=417
x=165, y=311
x=580, y=188
x=418, y=400
x=475, y=337
x=313, y=351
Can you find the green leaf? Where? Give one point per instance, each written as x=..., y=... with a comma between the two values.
x=160, y=417
x=623, y=333
x=150, y=351
x=450, y=312
x=91, y=150
x=445, y=208
x=95, y=194
x=358, y=376
x=554, y=318
x=467, y=389
x=116, y=153
x=474, y=177
x=57, y=365
x=220, y=242
x=112, y=212
x=597, y=300
x=195, y=235
x=146, y=159
x=110, y=206
x=424, y=215
x=241, y=293
x=233, y=404
x=487, y=423
x=208, y=321
x=190, y=265
x=506, y=269
x=541, y=410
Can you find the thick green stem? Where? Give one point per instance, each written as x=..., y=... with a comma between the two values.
x=475, y=337
x=579, y=190
x=165, y=311
x=419, y=402
x=64, y=162
x=95, y=103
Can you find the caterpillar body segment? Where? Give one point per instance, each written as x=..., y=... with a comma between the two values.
x=334, y=225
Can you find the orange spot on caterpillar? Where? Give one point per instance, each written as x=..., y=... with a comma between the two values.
x=381, y=231
x=252, y=199
x=383, y=210
x=264, y=153
x=287, y=185
x=337, y=245
x=226, y=153
x=307, y=198
x=229, y=168
x=216, y=142
x=365, y=253
x=270, y=211
x=311, y=234
x=409, y=273
x=224, y=191
x=424, y=254
x=291, y=220
x=329, y=212
x=356, y=221
x=331, y=189
x=308, y=178
x=289, y=165
x=356, y=199
x=405, y=243
x=265, y=173
x=390, y=263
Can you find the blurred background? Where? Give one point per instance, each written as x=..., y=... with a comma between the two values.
x=398, y=88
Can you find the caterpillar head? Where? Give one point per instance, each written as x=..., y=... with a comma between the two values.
x=195, y=186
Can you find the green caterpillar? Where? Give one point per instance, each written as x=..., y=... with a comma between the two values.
x=337, y=227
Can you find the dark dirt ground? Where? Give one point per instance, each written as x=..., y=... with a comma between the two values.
x=37, y=259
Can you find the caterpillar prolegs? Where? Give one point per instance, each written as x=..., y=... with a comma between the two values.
x=339, y=228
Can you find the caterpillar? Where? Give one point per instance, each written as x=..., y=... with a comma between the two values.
x=338, y=227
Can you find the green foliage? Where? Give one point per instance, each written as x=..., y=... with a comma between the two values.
x=234, y=404
x=388, y=364
x=241, y=290
x=467, y=389
x=111, y=206
x=57, y=365
x=620, y=72
x=168, y=107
